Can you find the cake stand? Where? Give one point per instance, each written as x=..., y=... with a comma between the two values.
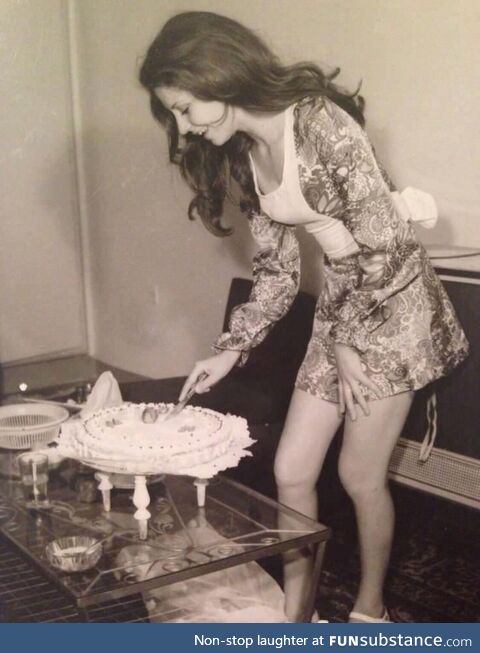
x=141, y=496
x=70, y=445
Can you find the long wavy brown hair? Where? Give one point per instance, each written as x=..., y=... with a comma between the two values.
x=216, y=58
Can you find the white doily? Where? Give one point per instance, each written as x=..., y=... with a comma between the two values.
x=70, y=445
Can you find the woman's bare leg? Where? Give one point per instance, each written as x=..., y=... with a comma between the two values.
x=309, y=428
x=367, y=447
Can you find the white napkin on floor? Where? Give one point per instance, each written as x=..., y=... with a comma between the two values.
x=105, y=394
x=415, y=205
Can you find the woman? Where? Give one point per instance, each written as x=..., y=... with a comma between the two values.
x=384, y=327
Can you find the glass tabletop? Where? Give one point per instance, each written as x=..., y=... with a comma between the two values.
x=236, y=525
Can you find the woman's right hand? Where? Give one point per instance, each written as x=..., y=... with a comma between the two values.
x=351, y=378
x=215, y=369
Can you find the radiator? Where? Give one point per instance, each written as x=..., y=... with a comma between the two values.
x=445, y=473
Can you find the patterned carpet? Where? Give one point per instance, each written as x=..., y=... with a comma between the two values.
x=434, y=574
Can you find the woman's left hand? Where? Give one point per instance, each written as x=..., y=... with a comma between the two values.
x=350, y=379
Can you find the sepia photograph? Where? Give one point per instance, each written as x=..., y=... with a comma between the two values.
x=239, y=312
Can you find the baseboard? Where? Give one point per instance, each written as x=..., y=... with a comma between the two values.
x=445, y=473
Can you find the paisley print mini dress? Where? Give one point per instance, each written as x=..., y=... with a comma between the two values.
x=380, y=295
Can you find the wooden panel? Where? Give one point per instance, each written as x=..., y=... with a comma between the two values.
x=458, y=395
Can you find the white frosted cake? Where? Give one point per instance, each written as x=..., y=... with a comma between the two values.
x=194, y=436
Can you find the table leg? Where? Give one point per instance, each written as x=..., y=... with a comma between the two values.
x=201, y=485
x=315, y=577
x=141, y=499
x=105, y=486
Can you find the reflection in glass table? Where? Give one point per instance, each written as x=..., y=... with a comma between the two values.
x=204, y=550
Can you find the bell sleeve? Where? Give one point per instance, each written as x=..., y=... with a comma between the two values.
x=276, y=278
x=390, y=257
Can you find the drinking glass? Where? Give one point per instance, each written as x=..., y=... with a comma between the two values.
x=34, y=476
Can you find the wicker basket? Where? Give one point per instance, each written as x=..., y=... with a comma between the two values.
x=23, y=426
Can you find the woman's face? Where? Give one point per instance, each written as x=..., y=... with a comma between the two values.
x=214, y=121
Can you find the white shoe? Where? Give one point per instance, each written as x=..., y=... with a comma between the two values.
x=314, y=620
x=366, y=619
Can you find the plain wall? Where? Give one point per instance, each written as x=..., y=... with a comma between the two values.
x=41, y=284
x=159, y=282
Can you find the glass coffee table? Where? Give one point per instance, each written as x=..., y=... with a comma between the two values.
x=235, y=527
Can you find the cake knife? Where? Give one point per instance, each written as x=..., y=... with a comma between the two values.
x=150, y=414
x=180, y=405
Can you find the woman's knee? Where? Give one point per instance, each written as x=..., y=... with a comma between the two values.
x=290, y=474
x=360, y=481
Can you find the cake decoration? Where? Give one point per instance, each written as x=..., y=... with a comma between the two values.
x=197, y=441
